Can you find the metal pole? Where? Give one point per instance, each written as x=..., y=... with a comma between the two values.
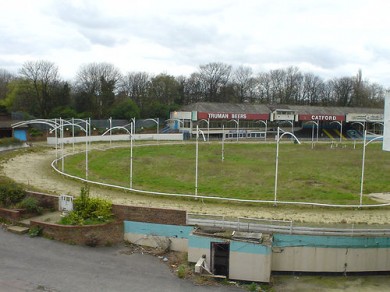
x=265, y=137
x=362, y=178
x=318, y=125
x=238, y=121
x=196, y=160
x=276, y=167
x=223, y=143
x=208, y=130
x=131, y=155
x=110, y=130
x=86, y=149
x=73, y=134
x=312, y=135
x=62, y=143
x=55, y=132
x=341, y=130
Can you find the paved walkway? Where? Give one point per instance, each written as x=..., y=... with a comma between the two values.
x=50, y=217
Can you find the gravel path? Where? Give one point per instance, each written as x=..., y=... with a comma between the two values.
x=33, y=169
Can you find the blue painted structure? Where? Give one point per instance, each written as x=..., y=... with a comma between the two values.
x=291, y=240
x=20, y=134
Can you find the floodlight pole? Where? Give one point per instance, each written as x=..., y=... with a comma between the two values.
x=131, y=154
x=197, y=157
x=277, y=160
x=62, y=144
x=110, y=124
x=196, y=160
x=265, y=124
x=341, y=128
x=363, y=159
x=73, y=134
x=276, y=167
x=312, y=133
x=87, y=129
x=208, y=128
x=223, y=143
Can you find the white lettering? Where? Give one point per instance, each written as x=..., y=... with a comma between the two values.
x=323, y=118
x=239, y=116
x=218, y=116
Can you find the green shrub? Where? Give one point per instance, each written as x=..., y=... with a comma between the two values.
x=35, y=132
x=11, y=194
x=35, y=231
x=87, y=210
x=181, y=271
x=9, y=141
x=31, y=204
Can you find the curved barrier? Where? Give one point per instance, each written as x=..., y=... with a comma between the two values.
x=54, y=162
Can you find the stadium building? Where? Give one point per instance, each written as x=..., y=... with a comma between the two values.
x=260, y=121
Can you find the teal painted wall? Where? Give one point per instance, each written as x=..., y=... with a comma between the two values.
x=247, y=247
x=195, y=241
x=285, y=240
x=157, y=229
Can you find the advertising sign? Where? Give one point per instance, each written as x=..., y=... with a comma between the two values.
x=232, y=116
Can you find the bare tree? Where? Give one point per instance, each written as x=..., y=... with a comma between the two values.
x=244, y=84
x=342, y=91
x=293, y=85
x=98, y=82
x=194, y=89
x=136, y=86
x=214, y=76
x=43, y=77
x=312, y=89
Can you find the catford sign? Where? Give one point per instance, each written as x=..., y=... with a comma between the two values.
x=310, y=117
x=231, y=116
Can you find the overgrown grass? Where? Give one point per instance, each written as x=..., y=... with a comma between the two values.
x=322, y=174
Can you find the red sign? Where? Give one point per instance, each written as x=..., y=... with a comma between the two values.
x=231, y=116
x=321, y=117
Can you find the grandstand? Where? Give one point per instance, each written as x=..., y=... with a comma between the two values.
x=260, y=121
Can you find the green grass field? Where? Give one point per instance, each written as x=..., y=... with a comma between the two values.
x=320, y=175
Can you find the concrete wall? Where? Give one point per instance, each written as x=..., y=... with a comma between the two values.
x=250, y=261
x=114, y=138
x=164, y=236
x=247, y=261
x=199, y=246
x=304, y=253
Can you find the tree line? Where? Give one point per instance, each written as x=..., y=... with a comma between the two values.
x=100, y=90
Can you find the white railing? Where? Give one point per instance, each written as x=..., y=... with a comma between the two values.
x=215, y=198
x=277, y=226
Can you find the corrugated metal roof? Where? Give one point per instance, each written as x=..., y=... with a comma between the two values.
x=226, y=107
x=264, y=109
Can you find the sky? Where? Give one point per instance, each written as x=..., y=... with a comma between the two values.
x=329, y=38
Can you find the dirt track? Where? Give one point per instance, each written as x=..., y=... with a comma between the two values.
x=33, y=169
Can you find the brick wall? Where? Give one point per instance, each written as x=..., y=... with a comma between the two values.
x=150, y=215
x=45, y=200
x=124, y=212
x=11, y=215
x=101, y=235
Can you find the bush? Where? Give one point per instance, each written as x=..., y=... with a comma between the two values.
x=88, y=210
x=9, y=141
x=31, y=204
x=35, y=231
x=11, y=194
x=182, y=271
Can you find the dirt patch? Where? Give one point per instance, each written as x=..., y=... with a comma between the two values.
x=33, y=169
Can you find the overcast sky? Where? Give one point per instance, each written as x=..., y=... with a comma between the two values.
x=328, y=38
